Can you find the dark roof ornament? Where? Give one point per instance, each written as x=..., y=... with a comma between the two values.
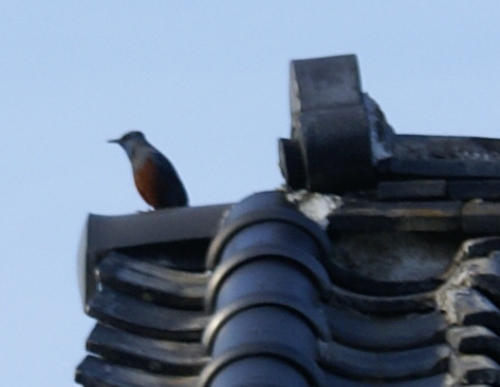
x=340, y=139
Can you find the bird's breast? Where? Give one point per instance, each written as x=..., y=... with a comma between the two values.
x=150, y=183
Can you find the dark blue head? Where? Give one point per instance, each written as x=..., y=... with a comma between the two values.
x=130, y=141
x=134, y=135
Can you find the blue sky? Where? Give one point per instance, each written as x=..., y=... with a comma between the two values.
x=208, y=84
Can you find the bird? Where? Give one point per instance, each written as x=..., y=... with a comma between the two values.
x=154, y=175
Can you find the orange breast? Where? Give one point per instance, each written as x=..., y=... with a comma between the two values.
x=150, y=184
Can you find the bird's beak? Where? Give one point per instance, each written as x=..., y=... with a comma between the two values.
x=115, y=141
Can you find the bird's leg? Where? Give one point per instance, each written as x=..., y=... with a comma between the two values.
x=149, y=210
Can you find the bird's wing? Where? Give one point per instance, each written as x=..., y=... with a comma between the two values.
x=168, y=174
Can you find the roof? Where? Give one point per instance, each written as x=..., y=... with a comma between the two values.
x=396, y=283
x=263, y=292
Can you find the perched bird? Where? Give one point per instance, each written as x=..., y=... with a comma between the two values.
x=154, y=175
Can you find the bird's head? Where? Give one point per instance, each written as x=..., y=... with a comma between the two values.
x=129, y=141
